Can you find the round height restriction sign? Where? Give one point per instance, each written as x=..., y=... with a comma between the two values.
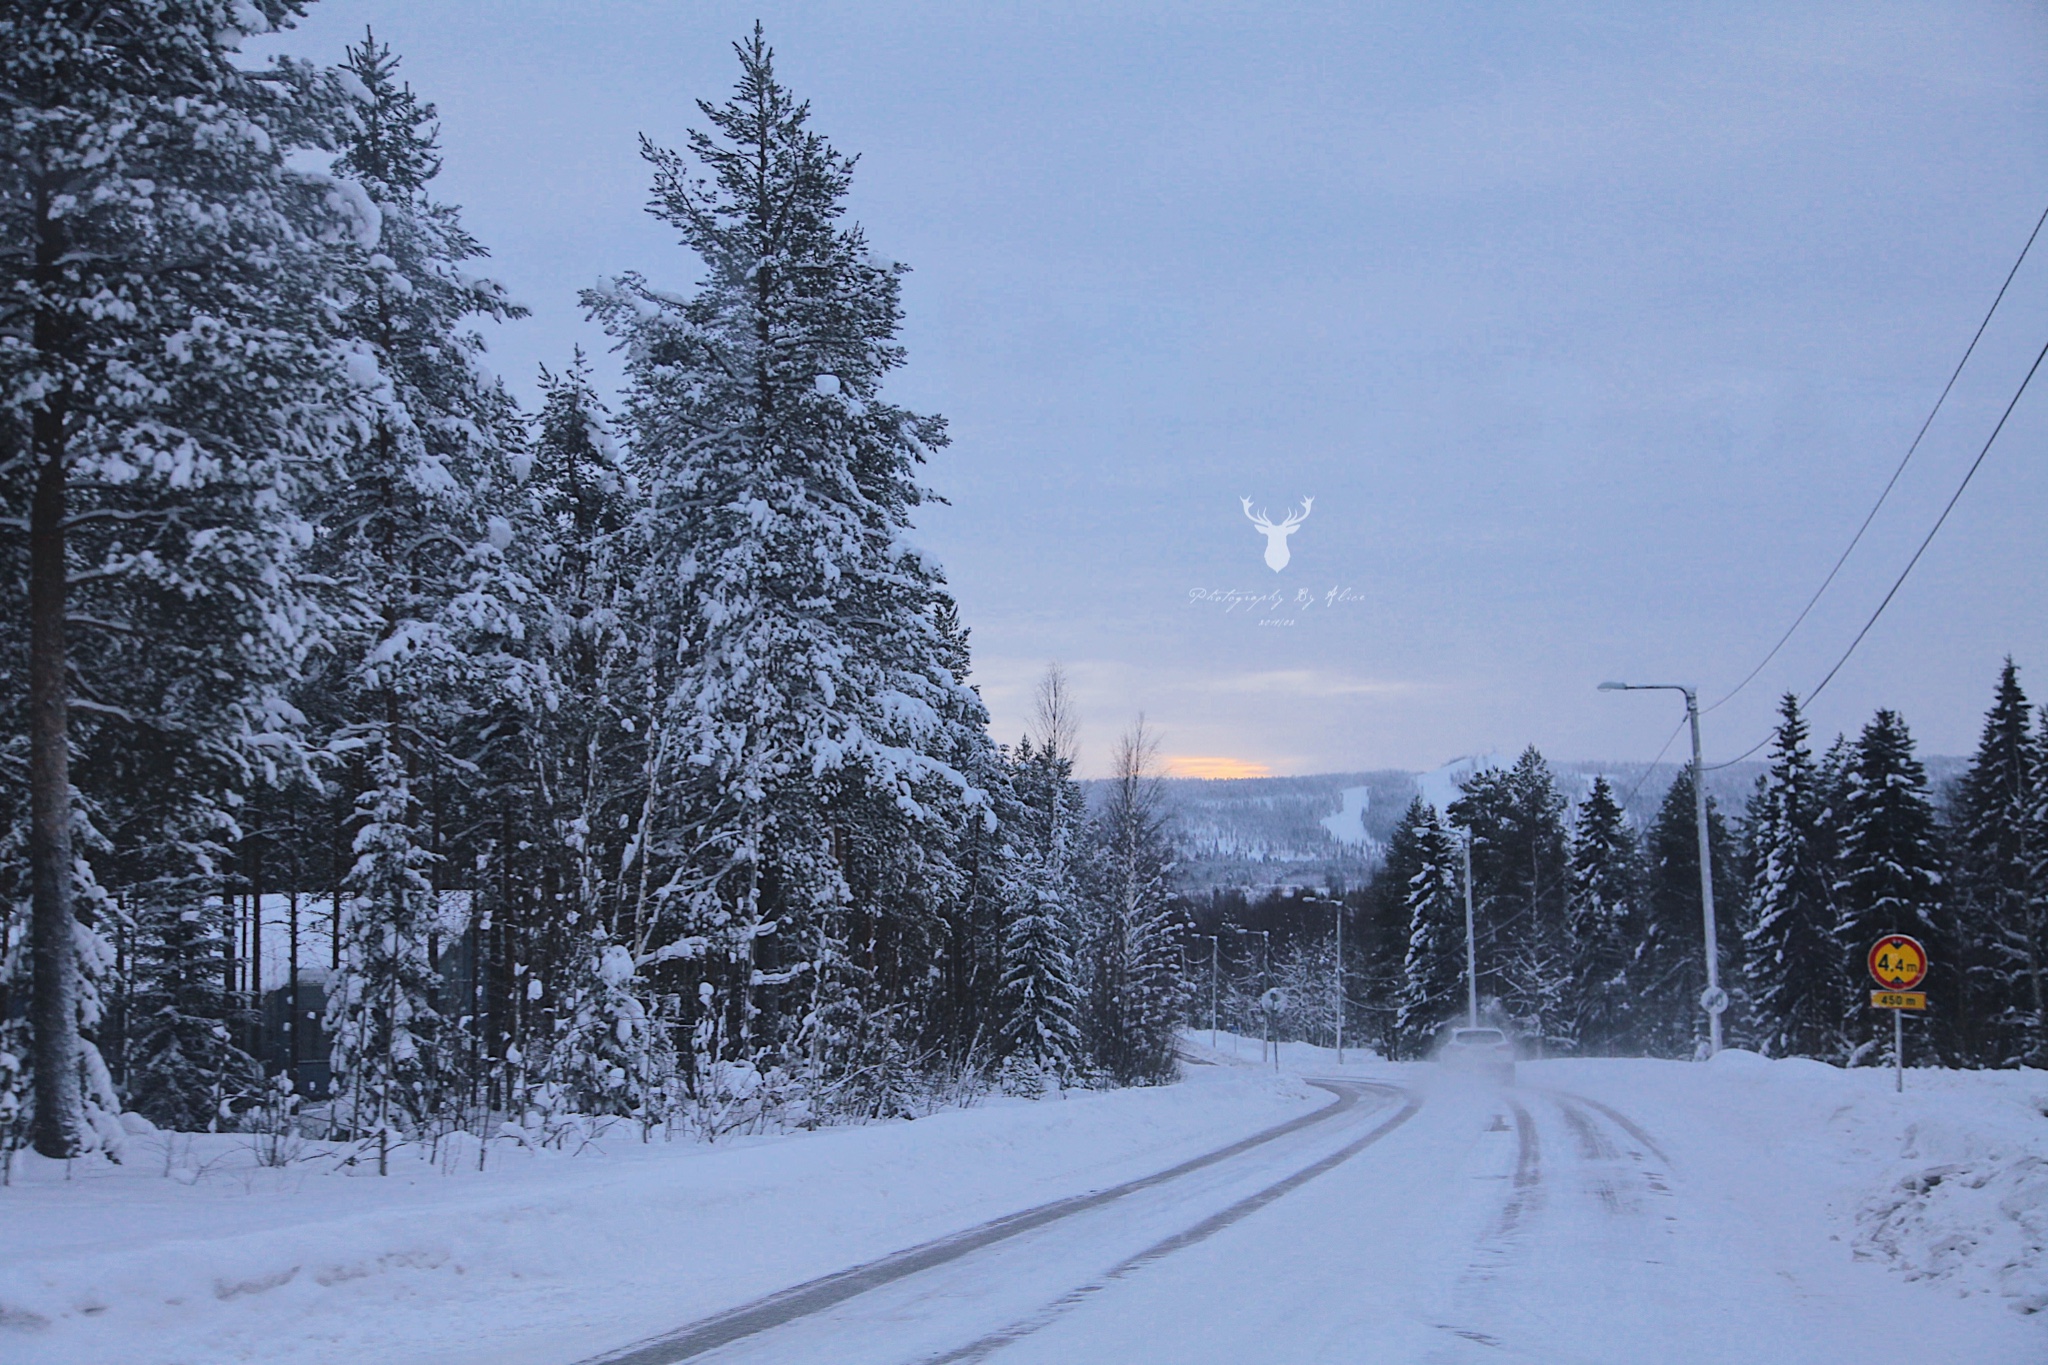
x=1898, y=963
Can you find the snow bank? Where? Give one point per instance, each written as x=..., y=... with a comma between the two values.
x=1947, y=1182
x=193, y=1251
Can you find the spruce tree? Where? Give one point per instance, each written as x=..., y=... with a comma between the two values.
x=418, y=536
x=1993, y=975
x=387, y=1035
x=1433, y=972
x=1040, y=993
x=1601, y=919
x=163, y=427
x=1385, y=966
x=1888, y=870
x=184, y=1068
x=1669, y=966
x=1521, y=874
x=2037, y=904
x=609, y=1056
x=1792, y=962
x=1135, y=986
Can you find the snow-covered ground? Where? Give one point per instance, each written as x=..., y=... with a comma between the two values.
x=1598, y=1211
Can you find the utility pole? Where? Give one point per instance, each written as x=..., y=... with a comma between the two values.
x=1471, y=946
x=1338, y=905
x=1212, y=990
x=1713, y=999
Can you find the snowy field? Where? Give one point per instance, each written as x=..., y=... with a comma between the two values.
x=1597, y=1211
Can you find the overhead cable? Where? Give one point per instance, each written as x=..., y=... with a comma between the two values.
x=1893, y=481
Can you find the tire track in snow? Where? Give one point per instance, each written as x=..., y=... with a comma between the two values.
x=1609, y=1148
x=983, y=1347
x=826, y=1291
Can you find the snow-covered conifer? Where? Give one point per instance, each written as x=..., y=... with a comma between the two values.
x=1888, y=869
x=1669, y=969
x=1995, y=1010
x=1433, y=972
x=806, y=717
x=183, y=1066
x=386, y=1032
x=1521, y=868
x=1135, y=986
x=164, y=425
x=1601, y=916
x=1792, y=963
x=418, y=532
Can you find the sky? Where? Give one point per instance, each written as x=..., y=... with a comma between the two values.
x=1592, y=332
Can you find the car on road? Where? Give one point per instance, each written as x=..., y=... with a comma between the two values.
x=1479, y=1051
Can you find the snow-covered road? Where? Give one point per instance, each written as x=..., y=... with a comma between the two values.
x=1599, y=1211
x=1438, y=1221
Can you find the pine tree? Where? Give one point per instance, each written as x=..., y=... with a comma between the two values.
x=556, y=748
x=1888, y=873
x=1792, y=961
x=1996, y=972
x=1601, y=916
x=163, y=427
x=802, y=794
x=1433, y=974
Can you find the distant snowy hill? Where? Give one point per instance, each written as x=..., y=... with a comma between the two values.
x=1330, y=828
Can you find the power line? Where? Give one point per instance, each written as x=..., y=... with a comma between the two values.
x=1889, y=483
x=1925, y=541
x=1652, y=767
x=1928, y=539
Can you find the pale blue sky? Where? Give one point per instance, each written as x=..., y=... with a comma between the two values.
x=1592, y=330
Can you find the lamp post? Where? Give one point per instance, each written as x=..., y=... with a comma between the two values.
x=1337, y=975
x=1471, y=945
x=1265, y=970
x=1713, y=1000
x=1212, y=989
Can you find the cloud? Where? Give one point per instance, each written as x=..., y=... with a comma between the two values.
x=1309, y=682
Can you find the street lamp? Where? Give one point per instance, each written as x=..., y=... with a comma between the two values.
x=1265, y=976
x=1471, y=945
x=1212, y=988
x=1713, y=1000
x=1337, y=979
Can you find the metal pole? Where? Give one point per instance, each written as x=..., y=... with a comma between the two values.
x=1212, y=987
x=1899, y=1051
x=1471, y=947
x=1340, y=983
x=1699, y=801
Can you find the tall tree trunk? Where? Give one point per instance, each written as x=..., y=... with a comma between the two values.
x=60, y=1127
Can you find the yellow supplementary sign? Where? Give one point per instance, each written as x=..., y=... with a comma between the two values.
x=1899, y=1000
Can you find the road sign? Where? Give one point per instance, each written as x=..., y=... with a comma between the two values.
x=1714, y=1000
x=1898, y=1000
x=1274, y=1000
x=1898, y=963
